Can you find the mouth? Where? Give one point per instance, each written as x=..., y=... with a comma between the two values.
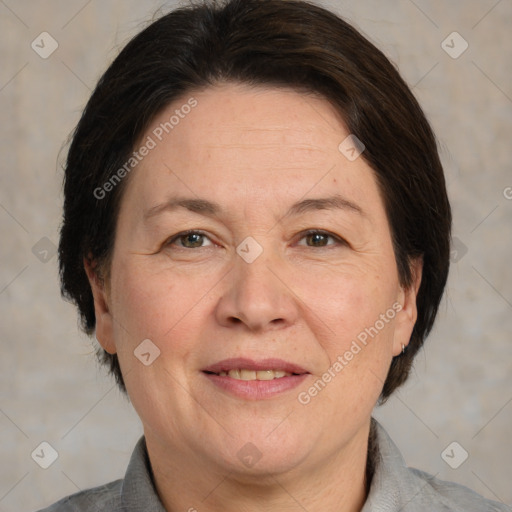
x=245, y=374
x=255, y=380
x=241, y=368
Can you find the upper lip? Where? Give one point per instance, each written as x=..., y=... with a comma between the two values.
x=250, y=364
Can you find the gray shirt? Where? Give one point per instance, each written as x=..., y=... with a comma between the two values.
x=394, y=488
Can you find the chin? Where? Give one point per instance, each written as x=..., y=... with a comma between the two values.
x=265, y=453
x=263, y=470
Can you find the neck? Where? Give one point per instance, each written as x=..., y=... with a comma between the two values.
x=336, y=483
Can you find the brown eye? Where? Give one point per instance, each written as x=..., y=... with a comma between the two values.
x=317, y=240
x=320, y=239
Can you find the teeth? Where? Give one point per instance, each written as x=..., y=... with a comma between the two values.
x=243, y=374
x=265, y=375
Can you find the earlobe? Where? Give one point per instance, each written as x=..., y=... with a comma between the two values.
x=406, y=318
x=102, y=310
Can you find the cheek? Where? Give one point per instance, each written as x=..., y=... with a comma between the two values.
x=142, y=307
x=164, y=306
x=347, y=302
x=135, y=303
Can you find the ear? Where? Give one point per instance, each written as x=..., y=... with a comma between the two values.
x=102, y=311
x=407, y=315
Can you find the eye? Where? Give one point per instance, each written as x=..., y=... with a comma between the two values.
x=190, y=240
x=316, y=238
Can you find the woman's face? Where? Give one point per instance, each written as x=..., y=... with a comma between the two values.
x=289, y=267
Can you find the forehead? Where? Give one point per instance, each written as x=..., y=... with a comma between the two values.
x=262, y=142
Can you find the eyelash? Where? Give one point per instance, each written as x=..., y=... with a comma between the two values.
x=303, y=235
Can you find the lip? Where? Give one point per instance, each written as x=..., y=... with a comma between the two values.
x=250, y=364
x=255, y=389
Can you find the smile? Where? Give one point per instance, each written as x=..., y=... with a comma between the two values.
x=244, y=374
x=255, y=380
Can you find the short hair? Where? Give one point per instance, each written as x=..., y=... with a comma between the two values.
x=282, y=43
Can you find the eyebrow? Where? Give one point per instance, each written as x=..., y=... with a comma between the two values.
x=211, y=209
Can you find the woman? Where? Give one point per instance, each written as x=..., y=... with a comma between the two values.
x=257, y=230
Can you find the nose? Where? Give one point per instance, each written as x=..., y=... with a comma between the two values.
x=257, y=296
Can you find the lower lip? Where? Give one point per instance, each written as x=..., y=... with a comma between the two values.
x=256, y=389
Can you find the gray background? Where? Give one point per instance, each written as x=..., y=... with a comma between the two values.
x=51, y=389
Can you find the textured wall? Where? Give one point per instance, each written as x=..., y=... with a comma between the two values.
x=51, y=390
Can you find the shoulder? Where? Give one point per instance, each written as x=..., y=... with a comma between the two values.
x=134, y=492
x=105, y=498
x=450, y=496
x=397, y=487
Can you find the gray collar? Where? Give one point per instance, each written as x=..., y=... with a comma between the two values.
x=138, y=491
x=138, y=486
x=394, y=487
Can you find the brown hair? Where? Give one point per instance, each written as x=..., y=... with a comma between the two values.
x=289, y=43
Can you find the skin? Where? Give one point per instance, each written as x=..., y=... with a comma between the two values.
x=255, y=152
